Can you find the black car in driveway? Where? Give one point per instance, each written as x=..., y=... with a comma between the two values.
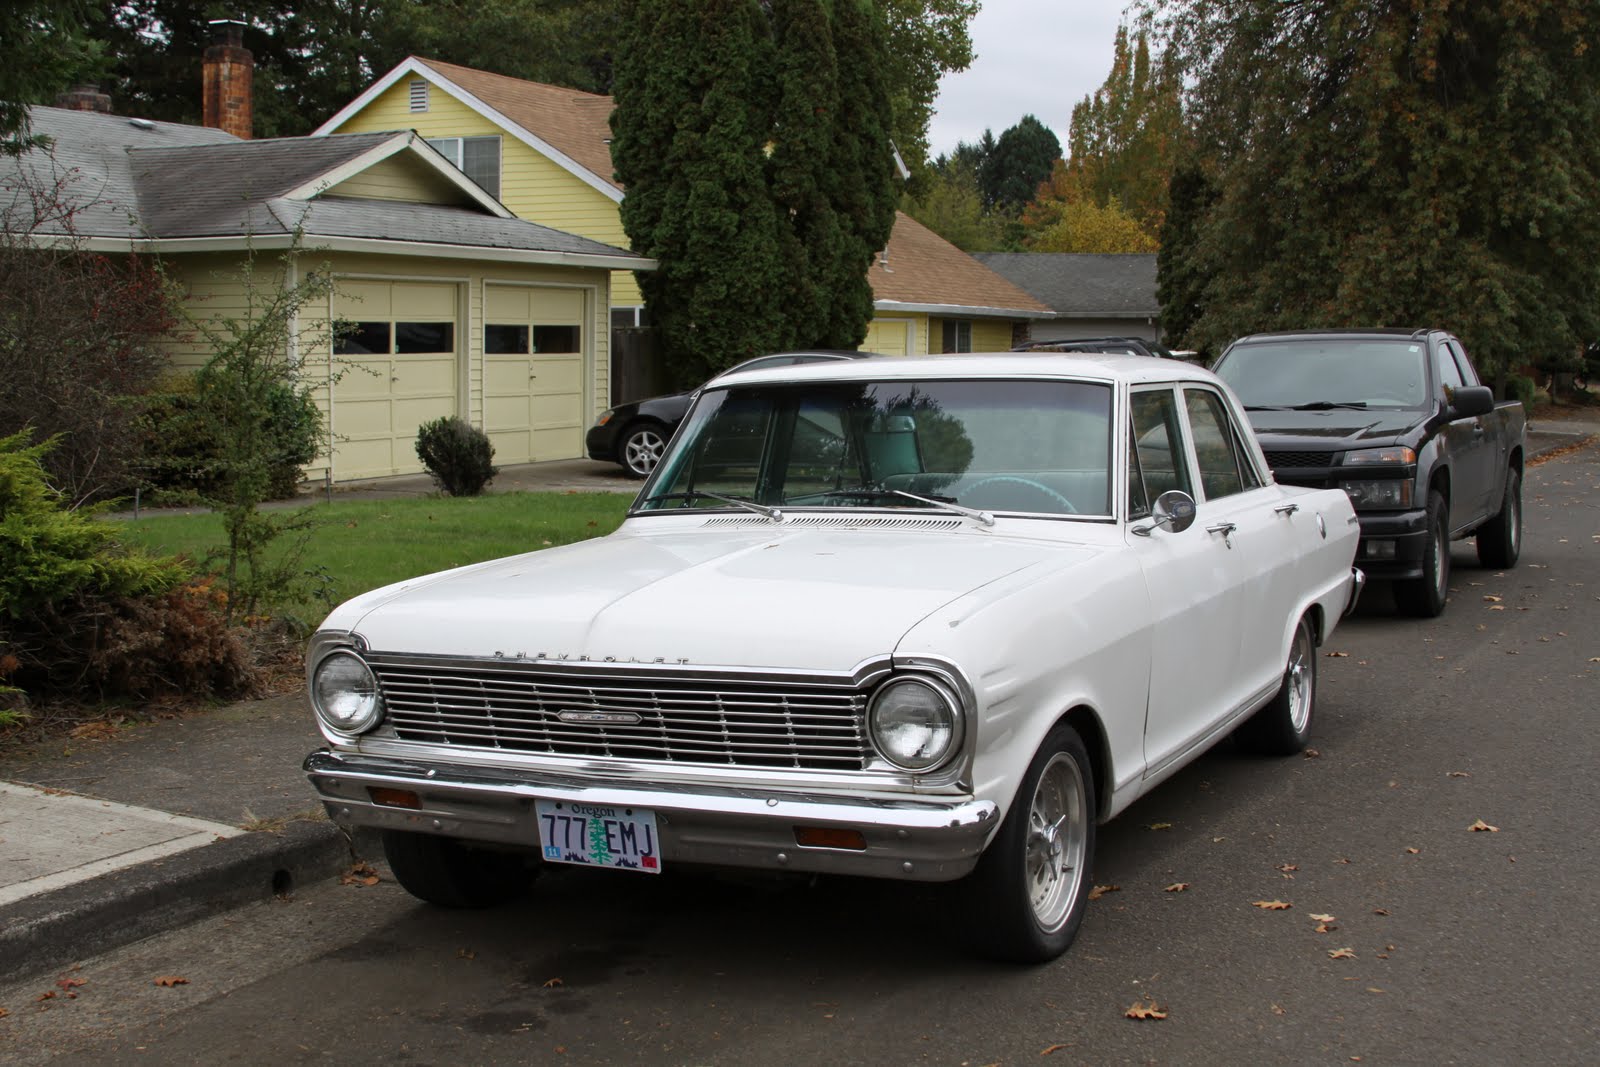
x=634, y=434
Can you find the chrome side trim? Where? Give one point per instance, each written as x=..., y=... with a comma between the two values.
x=1358, y=582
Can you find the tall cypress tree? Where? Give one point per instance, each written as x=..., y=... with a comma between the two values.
x=691, y=132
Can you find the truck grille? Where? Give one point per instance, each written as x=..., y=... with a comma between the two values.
x=1278, y=460
x=805, y=725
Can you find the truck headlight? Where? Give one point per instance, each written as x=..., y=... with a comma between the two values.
x=344, y=693
x=1379, y=493
x=1389, y=456
x=915, y=724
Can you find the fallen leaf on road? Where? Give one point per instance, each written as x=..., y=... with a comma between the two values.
x=1482, y=827
x=551, y=983
x=48, y=994
x=1143, y=1010
x=1414, y=851
x=1326, y=928
x=1337, y=655
x=1375, y=989
x=1322, y=918
x=1458, y=774
x=1341, y=954
x=1311, y=753
x=1052, y=1048
x=1159, y=826
x=70, y=983
x=360, y=874
x=466, y=954
x=1380, y=911
x=167, y=981
x=3, y=1013
x=1101, y=890
x=1278, y=1009
x=1271, y=905
x=1286, y=867
x=1494, y=599
x=1176, y=887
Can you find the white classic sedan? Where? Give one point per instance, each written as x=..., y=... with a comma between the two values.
x=926, y=619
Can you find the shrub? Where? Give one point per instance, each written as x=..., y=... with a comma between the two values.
x=183, y=453
x=1524, y=389
x=456, y=455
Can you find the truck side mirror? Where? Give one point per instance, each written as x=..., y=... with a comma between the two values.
x=1468, y=400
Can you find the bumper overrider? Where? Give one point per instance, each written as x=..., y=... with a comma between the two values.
x=921, y=839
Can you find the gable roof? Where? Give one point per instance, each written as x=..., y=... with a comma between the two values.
x=1083, y=285
x=188, y=189
x=570, y=127
x=922, y=272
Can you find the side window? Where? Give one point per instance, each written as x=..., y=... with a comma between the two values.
x=1449, y=373
x=1157, y=460
x=1463, y=365
x=1225, y=468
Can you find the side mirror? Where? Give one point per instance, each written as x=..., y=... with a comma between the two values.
x=1468, y=400
x=1174, y=509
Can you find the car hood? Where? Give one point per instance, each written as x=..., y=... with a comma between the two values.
x=1334, y=430
x=818, y=599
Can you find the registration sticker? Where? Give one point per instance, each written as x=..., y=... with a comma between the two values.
x=599, y=835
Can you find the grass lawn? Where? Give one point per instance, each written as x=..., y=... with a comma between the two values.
x=360, y=545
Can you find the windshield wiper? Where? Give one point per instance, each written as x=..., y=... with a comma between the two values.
x=737, y=501
x=944, y=504
x=1264, y=407
x=1326, y=405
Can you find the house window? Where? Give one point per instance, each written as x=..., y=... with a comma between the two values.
x=957, y=335
x=476, y=157
x=419, y=96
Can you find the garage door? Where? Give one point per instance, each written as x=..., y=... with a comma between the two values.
x=889, y=336
x=396, y=360
x=533, y=373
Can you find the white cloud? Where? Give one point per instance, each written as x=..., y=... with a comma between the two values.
x=1034, y=57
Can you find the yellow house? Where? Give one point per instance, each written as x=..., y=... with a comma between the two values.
x=545, y=152
x=448, y=304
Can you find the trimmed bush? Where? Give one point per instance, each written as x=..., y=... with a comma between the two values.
x=183, y=456
x=456, y=455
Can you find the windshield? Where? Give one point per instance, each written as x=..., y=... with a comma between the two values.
x=1038, y=447
x=1329, y=373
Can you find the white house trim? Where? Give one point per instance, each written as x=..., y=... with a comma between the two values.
x=400, y=142
x=412, y=66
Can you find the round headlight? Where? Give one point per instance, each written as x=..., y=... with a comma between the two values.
x=914, y=724
x=345, y=693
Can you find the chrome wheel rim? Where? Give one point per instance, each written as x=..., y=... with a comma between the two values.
x=1441, y=561
x=1514, y=535
x=1299, y=679
x=1057, y=837
x=643, y=451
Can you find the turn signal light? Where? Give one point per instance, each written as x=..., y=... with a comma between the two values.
x=827, y=837
x=394, y=798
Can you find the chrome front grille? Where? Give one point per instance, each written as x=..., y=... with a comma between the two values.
x=718, y=720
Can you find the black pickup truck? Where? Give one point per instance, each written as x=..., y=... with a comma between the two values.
x=1400, y=422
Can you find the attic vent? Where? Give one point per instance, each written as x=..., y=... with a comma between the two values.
x=419, y=96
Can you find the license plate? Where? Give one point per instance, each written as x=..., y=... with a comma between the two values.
x=599, y=835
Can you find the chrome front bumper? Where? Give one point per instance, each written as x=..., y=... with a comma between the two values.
x=919, y=839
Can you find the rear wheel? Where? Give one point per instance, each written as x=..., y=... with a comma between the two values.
x=1283, y=727
x=455, y=874
x=1029, y=889
x=1500, y=539
x=1424, y=597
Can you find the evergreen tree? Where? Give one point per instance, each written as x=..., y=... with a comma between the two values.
x=691, y=137
x=1408, y=162
x=1019, y=162
x=44, y=47
x=1180, y=269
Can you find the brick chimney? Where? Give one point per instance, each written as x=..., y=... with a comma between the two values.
x=229, y=70
x=85, y=98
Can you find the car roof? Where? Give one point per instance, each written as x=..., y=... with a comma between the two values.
x=1093, y=366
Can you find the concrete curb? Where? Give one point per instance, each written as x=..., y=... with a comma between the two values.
x=53, y=930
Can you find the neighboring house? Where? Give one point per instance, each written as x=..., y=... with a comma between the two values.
x=454, y=305
x=931, y=297
x=545, y=152
x=1091, y=295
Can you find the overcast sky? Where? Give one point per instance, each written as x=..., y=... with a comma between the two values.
x=1034, y=57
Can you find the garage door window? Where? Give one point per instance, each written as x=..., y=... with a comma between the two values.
x=556, y=339
x=505, y=339
x=361, y=338
x=424, y=337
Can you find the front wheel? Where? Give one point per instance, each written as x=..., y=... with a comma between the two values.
x=1500, y=539
x=641, y=449
x=1028, y=892
x=1424, y=597
x=1283, y=727
x=454, y=874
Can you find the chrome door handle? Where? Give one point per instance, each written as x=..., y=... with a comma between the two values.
x=1287, y=509
x=1226, y=530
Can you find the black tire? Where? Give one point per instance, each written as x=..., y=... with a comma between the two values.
x=1425, y=597
x=454, y=874
x=1500, y=539
x=641, y=447
x=1014, y=912
x=1283, y=727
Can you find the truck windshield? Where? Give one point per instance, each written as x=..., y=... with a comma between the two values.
x=1035, y=447
x=1329, y=373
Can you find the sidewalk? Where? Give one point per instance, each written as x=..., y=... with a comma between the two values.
x=103, y=843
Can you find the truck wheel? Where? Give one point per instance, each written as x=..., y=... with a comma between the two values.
x=1500, y=539
x=454, y=874
x=641, y=448
x=1283, y=727
x=1424, y=597
x=1029, y=889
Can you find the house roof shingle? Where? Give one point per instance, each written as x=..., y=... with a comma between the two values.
x=1083, y=284
x=921, y=268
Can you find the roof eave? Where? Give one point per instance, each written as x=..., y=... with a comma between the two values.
x=311, y=242
x=961, y=310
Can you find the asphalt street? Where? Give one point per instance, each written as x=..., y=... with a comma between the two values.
x=1410, y=938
